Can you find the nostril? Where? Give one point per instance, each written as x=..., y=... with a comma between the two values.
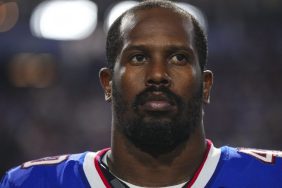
x=157, y=74
x=164, y=81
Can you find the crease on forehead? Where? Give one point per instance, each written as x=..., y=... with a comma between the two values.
x=132, y=19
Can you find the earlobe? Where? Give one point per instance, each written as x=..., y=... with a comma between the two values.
x=105, y=75
x=108, y=95
x=207, y=85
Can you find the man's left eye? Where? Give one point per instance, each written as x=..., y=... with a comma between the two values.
x=179, y=59
x=138, y=59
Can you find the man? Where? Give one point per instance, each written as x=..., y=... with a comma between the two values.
x=157, y=83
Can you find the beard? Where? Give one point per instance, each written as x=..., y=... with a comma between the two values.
x=157, y=133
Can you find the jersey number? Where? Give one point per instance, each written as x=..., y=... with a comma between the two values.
x=266, y=156
x=45, y=161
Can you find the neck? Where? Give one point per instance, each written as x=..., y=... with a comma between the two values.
x=140, y=168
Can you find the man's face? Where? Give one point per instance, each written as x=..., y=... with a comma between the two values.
x=157, y=88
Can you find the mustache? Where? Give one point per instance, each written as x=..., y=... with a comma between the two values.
x=166, y=94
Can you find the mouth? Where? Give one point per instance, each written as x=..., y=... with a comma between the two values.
x=157, y=102
x=157, y=105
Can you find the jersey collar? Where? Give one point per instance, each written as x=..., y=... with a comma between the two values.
x=98, y=175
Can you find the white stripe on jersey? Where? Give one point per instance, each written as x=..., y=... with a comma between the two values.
x=90, y=171
x=208, y=168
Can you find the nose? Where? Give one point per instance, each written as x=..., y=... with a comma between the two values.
x=157, y=75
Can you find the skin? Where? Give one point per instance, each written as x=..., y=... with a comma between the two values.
x=157, y=50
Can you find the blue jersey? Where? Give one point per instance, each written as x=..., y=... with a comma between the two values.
x=224, y=167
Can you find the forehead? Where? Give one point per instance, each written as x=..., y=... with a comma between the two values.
x=157, y=23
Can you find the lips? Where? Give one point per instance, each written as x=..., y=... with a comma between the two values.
x=157, y=106
x=157, y=102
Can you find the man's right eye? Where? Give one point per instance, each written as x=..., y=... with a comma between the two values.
x=138, y=59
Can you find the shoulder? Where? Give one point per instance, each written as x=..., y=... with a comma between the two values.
x=252, y=167
x=47, y=172
x=257, y=157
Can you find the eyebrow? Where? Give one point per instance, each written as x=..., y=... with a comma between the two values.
x=173, y=48
x=167, y=48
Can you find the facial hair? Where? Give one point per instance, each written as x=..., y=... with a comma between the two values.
x=157, y=134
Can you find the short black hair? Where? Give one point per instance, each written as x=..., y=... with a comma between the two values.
x=115, y=40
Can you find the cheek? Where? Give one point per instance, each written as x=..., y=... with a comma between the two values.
x=186, y=83
x=130, y=82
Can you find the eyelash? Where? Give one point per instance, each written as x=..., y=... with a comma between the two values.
x=184, y=59
x=137, y=62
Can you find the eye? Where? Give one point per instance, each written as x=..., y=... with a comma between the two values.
x=179, y=59
x=138, y=59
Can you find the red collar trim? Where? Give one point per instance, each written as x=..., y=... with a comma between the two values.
x=97, y=160
x=192, y=181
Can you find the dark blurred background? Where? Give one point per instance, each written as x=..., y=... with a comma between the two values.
x=51, y=101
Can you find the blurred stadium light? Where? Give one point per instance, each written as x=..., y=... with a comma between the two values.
x=64, y=19
x=9, y=14
x=116, y=11
x=34, y=70
x=77, y=19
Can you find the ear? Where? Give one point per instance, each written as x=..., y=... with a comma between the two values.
x=207, y=84
x=105, y=75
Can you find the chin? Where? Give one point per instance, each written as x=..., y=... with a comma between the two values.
x=151, y=120
x=157, y=135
